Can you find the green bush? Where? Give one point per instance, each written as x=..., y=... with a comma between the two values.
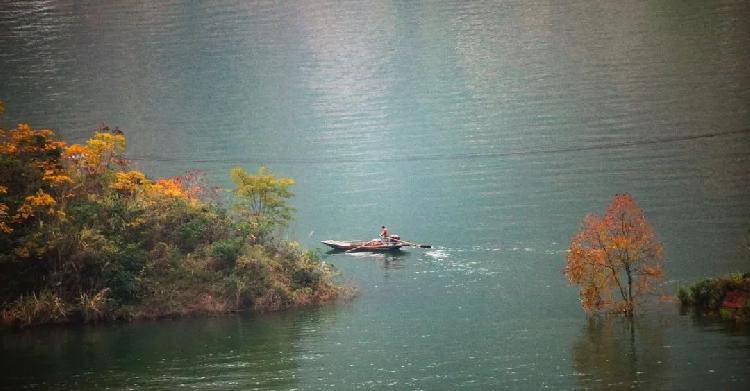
x=706, y=294
x=307, y=277
x=100, y=241
x=684, y=296
x=709, y=294
x=225, y=252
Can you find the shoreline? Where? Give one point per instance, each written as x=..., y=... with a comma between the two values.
x=86, y=238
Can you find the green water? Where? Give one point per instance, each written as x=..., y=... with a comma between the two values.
x=488, y=129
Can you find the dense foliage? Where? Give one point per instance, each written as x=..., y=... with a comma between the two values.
x=726, y=296
x=84, y=237
x=260, y=199
x=615, y=259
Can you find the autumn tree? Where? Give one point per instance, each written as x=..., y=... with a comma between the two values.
x=4, y=228
x=261, y=199
x=33, y=185
x=84, y=236
x=615, y=259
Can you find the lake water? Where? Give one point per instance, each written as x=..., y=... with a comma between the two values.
x=487, y=129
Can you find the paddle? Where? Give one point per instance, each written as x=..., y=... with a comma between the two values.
x=399, y=240
x=416, y=245
x=351, y=250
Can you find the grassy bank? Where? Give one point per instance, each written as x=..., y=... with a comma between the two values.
x=726, y=296
x=83, y=237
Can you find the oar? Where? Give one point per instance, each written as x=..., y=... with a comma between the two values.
x=416, y=245
x=351, y=250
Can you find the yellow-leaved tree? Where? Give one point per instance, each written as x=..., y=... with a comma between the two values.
x=33, y=188
x=261, y=199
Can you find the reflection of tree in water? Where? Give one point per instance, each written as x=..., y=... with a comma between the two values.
x=620, y=352
x=223, y=352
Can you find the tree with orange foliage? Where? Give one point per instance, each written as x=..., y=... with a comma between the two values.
x=615, y=259
x=82, y=236
x=33, y=185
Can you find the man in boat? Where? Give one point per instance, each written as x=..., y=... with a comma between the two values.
x=384, y=234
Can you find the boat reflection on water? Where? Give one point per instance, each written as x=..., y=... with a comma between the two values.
x=390, y=260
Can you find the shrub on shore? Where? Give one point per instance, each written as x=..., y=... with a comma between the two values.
x=85, y=238
x=727, y=296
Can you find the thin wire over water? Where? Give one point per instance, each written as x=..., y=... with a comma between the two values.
x=457, y=156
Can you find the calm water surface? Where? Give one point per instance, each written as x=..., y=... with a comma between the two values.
x=488, y=129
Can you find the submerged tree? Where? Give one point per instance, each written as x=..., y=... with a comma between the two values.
x=615, y=259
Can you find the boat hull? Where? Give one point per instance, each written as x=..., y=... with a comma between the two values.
x=362, y=246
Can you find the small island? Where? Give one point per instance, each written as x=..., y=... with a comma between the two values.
x=726, y=297
x=86, y=238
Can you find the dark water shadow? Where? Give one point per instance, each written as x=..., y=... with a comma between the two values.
x=234, y=351
x=617, y=352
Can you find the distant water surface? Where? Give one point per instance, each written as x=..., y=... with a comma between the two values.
x=488, y=129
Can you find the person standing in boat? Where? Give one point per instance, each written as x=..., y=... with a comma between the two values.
x=384, y=234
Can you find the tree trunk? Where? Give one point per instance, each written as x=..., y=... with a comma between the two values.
x=629, y=299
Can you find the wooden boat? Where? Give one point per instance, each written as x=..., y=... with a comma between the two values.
x=375, y=245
